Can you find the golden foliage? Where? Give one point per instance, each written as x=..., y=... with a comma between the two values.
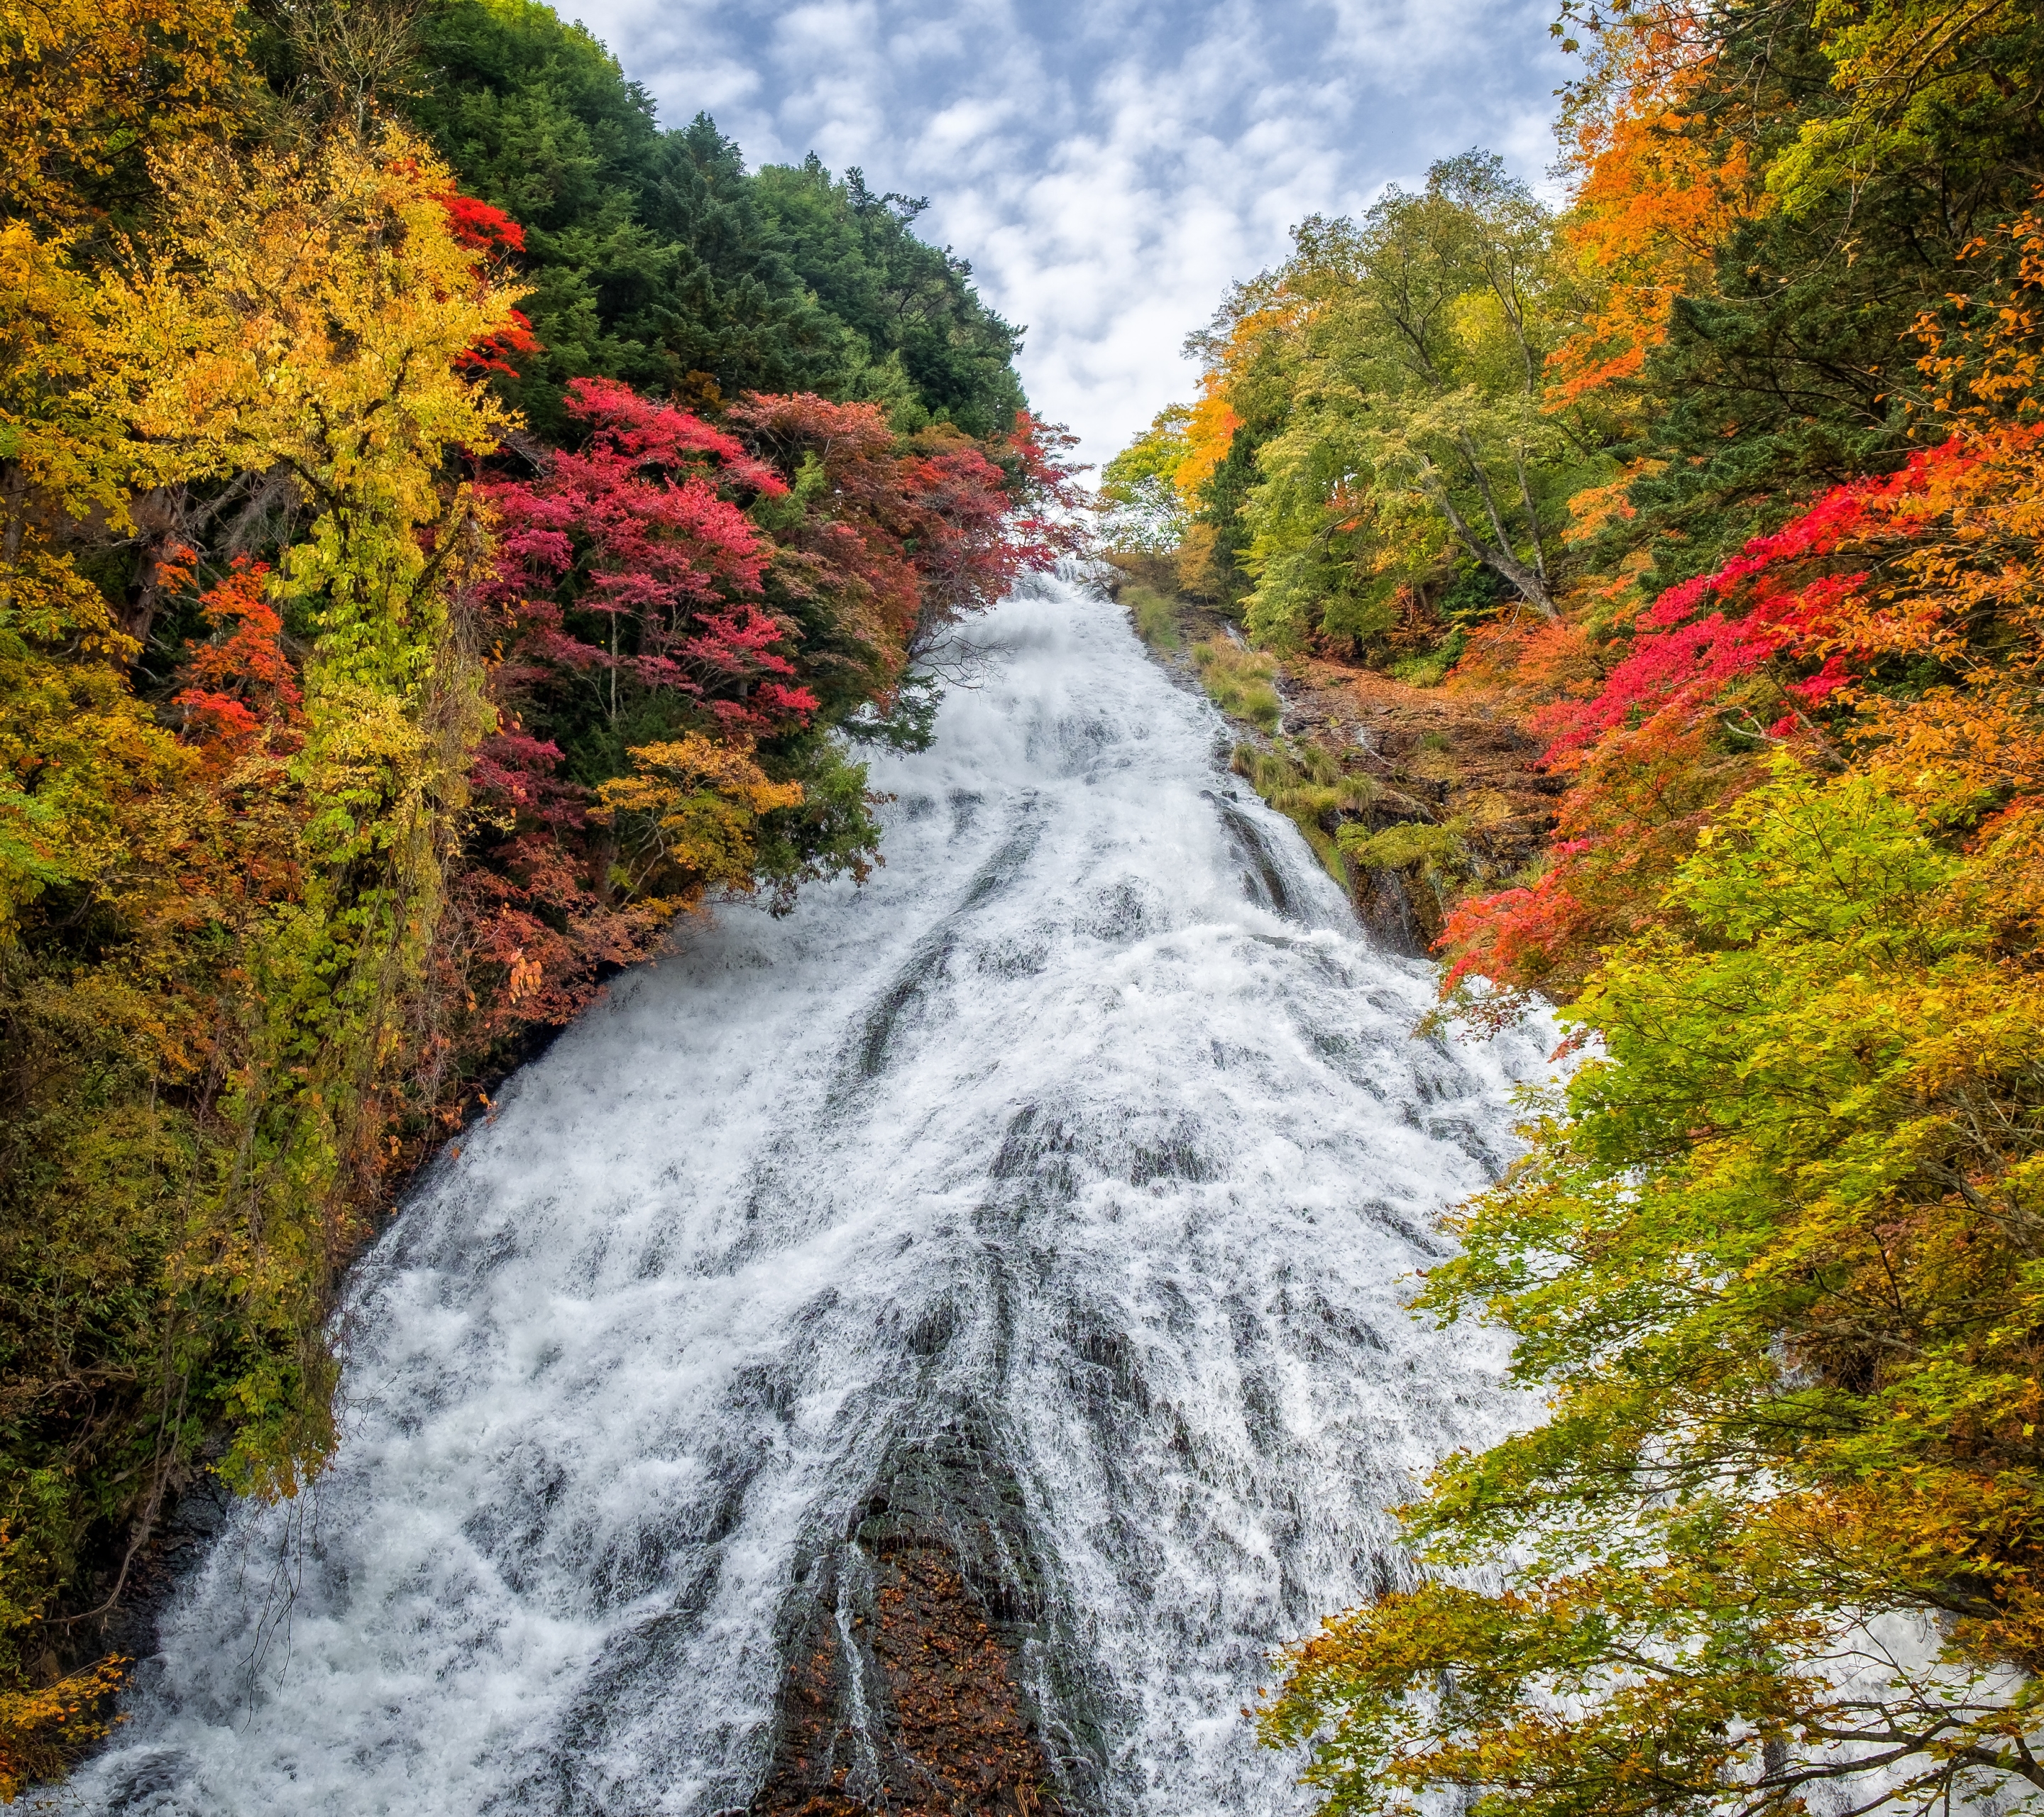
x=86, y=85
x=688, y=814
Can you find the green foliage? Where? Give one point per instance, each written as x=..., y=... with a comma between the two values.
x=1223, y=512
x=656, y=258
x=1299, y=779
x=1155, y=614
x=910, y=720
x=1430, y=668
x=832, y=833
x=1778, y=1261
x=1406, y=355
x=1404, y=845
x=1241, y=682
x=1139, y=485
x=919, y=339
x=1308, y=785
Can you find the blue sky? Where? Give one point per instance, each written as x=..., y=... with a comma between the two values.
x=1107, y=168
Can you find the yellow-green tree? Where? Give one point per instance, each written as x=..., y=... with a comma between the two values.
x=1412, y=346
x=1779, y=1267
x=213, y=938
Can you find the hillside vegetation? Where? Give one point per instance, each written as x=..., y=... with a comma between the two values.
x=451, y=526
x=1704, y=509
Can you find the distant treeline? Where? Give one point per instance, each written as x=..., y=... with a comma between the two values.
x=656, y=258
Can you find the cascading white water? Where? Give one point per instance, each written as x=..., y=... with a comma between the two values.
x=1091, y=1120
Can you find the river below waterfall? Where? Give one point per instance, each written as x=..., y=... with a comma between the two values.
x=1063, y=1184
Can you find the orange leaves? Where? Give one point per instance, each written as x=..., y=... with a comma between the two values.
x=241, y=685
x=1654, y=201
x=1597, y=508
x=1987, y=365
x=1209, y=432
x=494, y=352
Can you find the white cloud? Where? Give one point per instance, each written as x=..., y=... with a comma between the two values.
x=1108, y=168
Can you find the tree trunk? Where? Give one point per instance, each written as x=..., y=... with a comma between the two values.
x=1498, y=558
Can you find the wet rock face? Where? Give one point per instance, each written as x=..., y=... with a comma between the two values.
x=912, y=1707
x=921, y=1683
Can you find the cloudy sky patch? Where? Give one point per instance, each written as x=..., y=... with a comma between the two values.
x=1108, y=168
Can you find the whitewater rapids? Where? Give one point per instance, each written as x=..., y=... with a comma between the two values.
x=1092, y=1120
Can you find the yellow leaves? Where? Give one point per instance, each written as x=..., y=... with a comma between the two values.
x=1782, y=1266
x=41, y=1728
x=301, y=317
x=308, y=312
x=65, y=449
x=689, y=813
x=73, y=744
x=86, y=83
x=75, y=748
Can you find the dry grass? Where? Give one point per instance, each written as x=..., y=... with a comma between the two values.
x=1242, y=682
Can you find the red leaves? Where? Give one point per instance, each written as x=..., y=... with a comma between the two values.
x=493, y=352
x=1051, y=506
x=491, y=234
x=1678, y=724
x=637, y=532
x=1682, y=666
x=628, y=428
x=480, y=228
x=909, y=536
x=240, y=688
x=850, y=547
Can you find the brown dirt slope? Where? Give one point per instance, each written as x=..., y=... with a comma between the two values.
x=917, y=1682
x=945, y=1730
x=1443, y=758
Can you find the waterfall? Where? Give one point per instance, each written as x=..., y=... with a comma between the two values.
x=1057, y=1191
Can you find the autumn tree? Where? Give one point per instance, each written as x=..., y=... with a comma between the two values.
x=1771, y=1254
x=217, y=915
x=1773, y=1259
x=1376, y=409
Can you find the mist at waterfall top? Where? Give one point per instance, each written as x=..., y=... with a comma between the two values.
x=1106, y=165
